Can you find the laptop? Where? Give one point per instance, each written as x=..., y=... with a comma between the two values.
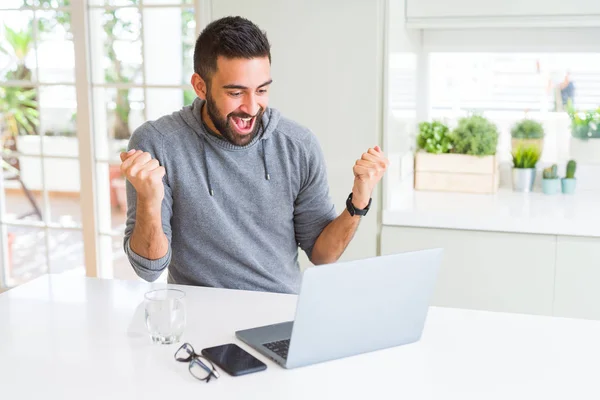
x=348, y=308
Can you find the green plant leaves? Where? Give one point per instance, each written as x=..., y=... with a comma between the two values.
x=475, y=135
x=571, y=167
x=526, y=156
x=527, y=129
x=18, y=105
x=19, y=41
x=434, y=137
x=584, y=124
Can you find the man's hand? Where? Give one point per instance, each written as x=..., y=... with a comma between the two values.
x=367, y=172
x=145, y=174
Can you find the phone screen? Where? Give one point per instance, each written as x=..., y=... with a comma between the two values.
x=233, y=359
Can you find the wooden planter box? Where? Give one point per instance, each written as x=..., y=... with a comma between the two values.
x=456, y=173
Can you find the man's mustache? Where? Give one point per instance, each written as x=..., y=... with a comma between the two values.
x=244, y=115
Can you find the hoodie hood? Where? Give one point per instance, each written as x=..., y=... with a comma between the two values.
x=192, y=116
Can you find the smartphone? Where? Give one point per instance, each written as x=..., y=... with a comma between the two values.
x=234, y=360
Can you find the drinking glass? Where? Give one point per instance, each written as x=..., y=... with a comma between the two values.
x=165, y=315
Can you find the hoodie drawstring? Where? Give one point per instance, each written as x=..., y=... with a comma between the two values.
x=207, y=169
x=264, y=154
x=210, y=190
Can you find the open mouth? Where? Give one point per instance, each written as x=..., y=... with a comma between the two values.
x=243, y=125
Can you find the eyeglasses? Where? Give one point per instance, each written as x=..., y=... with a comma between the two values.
x=200, y=368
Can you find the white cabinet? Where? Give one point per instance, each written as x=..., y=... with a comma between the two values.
x=495, y=8
x=510, y=272
x=485, y=270
x=577, y=292
x=525, y=13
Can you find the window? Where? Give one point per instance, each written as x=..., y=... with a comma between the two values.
x=505, y=87
x=514, y=82
x=141, y=62
x=41, y=216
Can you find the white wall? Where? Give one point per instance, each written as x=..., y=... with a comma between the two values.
x=327, y=70
x=401, y=39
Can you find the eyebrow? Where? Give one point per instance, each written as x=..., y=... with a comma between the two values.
x=234, y=86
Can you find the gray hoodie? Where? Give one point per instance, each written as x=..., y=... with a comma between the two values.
x=234, y=215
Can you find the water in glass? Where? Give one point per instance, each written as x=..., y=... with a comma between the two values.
x=165, y=315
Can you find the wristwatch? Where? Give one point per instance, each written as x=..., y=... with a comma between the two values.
x=355, y=211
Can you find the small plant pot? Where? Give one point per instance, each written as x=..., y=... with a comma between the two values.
x=523, y=179
x=551, y=186
x=568, y=185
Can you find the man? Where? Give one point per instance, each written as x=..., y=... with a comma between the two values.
x=224, y=191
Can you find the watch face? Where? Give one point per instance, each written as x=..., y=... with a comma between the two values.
x=350, y=206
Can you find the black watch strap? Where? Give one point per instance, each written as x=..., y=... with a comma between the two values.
x=356, y=211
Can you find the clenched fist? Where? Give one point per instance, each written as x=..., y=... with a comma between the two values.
x=367, y=172
x=145, y=174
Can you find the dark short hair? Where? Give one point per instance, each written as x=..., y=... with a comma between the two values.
x=230, y=37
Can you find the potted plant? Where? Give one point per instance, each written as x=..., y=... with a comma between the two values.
x=463, y=160
x=527, y=132
x=525, y=158
x=569, y=182
x=550, y=180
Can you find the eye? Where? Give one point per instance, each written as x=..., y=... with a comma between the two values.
x=262, y=91
x=235, y=94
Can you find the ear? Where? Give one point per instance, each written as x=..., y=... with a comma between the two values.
x=199, y=86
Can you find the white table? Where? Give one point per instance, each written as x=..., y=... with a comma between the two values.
x=74, y=338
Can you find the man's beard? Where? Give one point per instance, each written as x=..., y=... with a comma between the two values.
x=224, y=127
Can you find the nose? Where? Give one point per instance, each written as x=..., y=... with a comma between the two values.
x=250, y=105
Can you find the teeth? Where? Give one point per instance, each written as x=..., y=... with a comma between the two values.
x=246, y=119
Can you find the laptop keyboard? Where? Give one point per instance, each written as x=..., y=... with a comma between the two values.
x=279, y=347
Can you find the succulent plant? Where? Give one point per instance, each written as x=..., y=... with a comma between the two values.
x=551, y=172
x=571, y=167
